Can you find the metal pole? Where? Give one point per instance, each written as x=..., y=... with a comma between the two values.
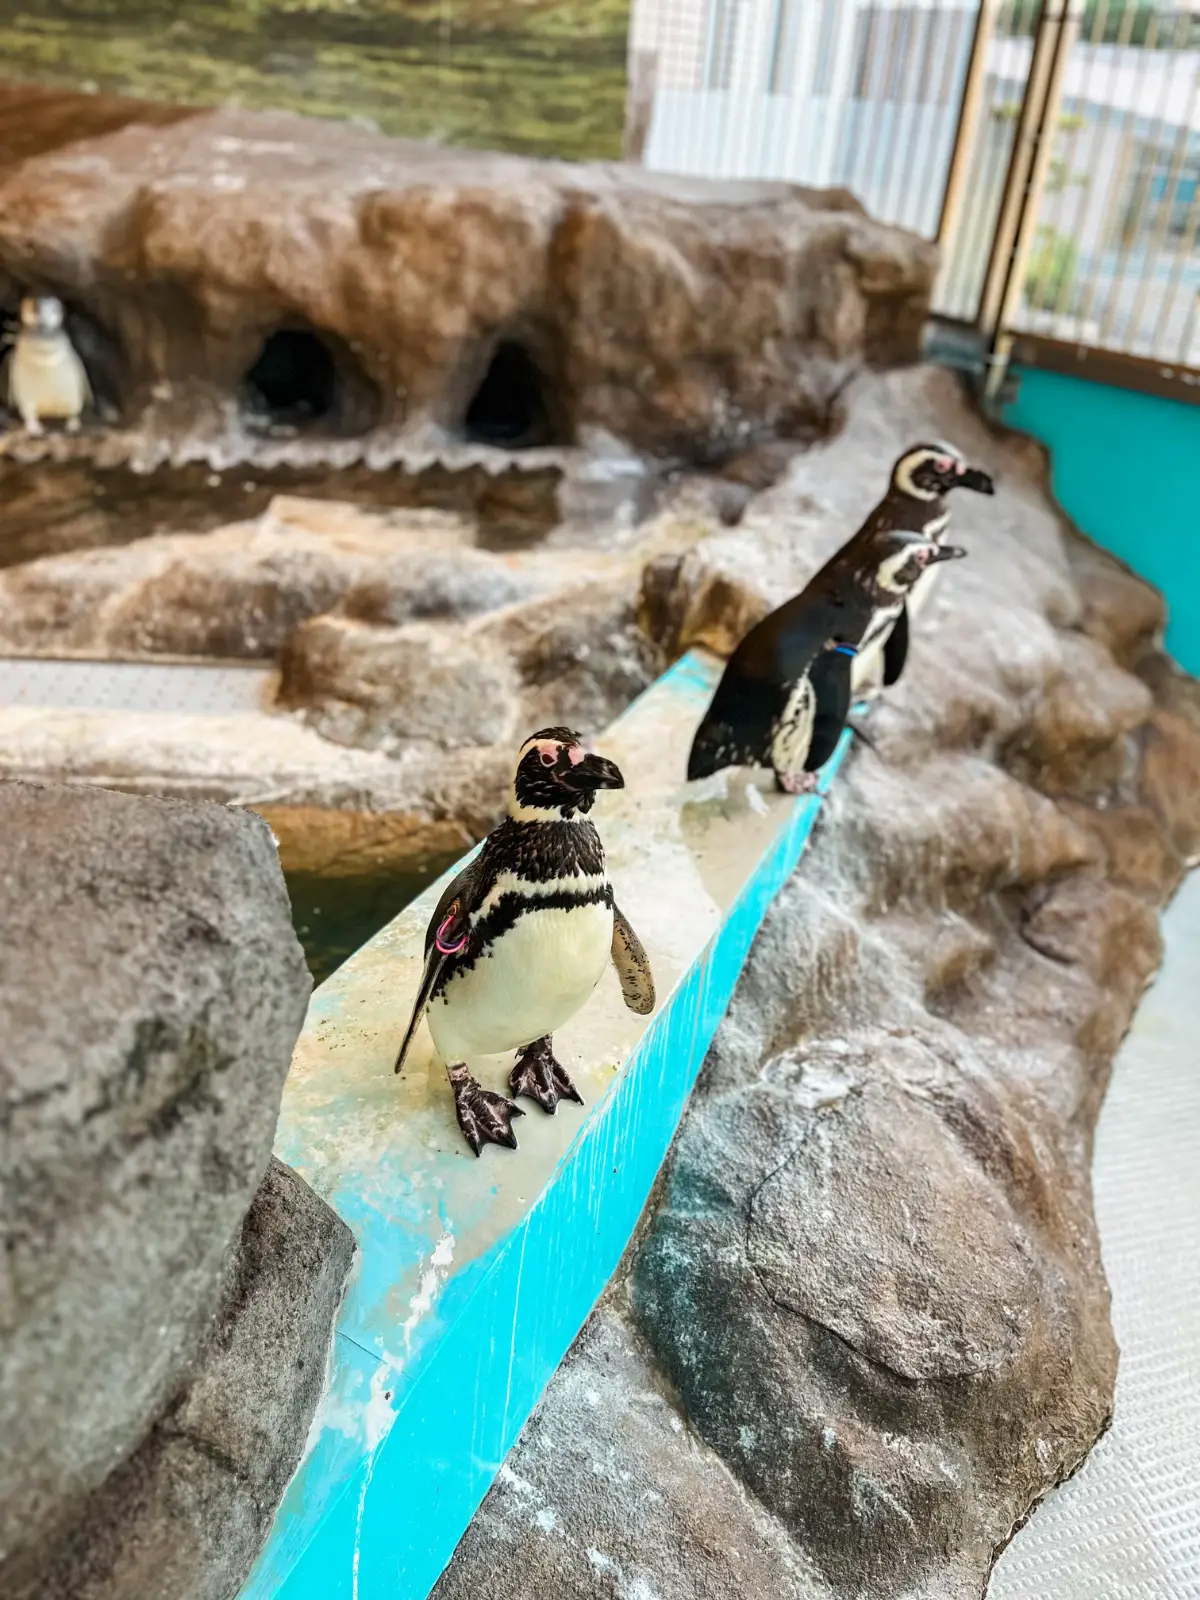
x=965, y=133
x=1058, y=28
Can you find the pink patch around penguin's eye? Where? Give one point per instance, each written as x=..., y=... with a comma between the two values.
x=944, y=464
x=575, y=754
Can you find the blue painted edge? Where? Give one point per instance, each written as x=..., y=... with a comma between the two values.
x=403, y=1504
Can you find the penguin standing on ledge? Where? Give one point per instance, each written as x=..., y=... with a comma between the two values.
x=522, y=936
x=786, y=692
x=915, y=500
x=46, y=378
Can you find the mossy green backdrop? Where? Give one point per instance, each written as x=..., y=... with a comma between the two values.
x=545, y=77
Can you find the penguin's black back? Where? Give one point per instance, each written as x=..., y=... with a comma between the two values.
x=760, y=674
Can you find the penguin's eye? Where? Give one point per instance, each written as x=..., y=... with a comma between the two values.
x=944, y=464
x=548, y=759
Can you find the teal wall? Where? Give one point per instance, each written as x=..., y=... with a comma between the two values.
x=1126, y=469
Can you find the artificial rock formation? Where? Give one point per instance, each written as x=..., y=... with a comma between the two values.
x=165, y=1311
x=311, y=275
x=867, y=1316
x=411, y=662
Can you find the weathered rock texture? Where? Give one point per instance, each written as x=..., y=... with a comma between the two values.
x=872, y=1287
x=412, y=663
x=160, y=1350
x=678, y=314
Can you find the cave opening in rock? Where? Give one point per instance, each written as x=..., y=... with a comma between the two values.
x=294, y=382
x=510, y=408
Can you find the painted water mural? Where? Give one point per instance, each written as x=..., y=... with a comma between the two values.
x=544, y=77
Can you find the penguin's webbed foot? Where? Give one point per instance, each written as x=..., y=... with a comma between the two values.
x=484, y=1118
x=538, y=1076
x=797, y=782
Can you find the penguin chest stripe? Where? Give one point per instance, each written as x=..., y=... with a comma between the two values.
x=580, y=885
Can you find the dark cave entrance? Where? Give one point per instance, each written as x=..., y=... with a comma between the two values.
x=294, y=382
x=510, y=408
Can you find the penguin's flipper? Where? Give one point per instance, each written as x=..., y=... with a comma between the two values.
x=633, y=966
x=446, y=937
x=832, y=680
x=895, y=648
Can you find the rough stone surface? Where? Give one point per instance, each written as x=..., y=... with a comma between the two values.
x=741, y=306
x=612, y=1495
x=872, y=1284
x=151, y=989
x=185, y=1516
x=411, y=662
x=242, y=590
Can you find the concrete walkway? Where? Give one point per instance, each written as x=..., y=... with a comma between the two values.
x=1127, y=1527
x=133, y=686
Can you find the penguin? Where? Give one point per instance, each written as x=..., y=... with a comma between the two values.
x=915, y=501
x=786, y=692
x=522, y=936
x=46, y=378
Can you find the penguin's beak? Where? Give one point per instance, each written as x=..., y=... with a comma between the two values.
x=592, y=773
x=946, y=552
x=973, y=478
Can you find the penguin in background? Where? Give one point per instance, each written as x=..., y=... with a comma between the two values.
x=46, y=380
x=915, y=500
x=786, y=692
x=522, y=936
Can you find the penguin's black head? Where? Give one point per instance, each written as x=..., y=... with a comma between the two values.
x=928, y=471
x=556, y=777
x=905, y=557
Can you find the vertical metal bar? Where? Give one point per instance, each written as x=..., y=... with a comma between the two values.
x=894, y=108
x=1058, y=27
x=1027, y=172
x=966, y=133
x=1170, y=190
x=1124, y=33
x=1109, y=315
x=877, y=69
x=1185, y=252
x=904, y=207
x=1068, y=142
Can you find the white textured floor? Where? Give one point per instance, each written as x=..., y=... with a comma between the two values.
x=1127, y=1527
x=133, y=686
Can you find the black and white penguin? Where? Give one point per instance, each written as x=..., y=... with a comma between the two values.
x=915, y=501
x=522, y=936
x=786, y=692
x=46, y=379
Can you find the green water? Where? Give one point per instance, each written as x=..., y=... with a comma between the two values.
x=334, y=916
x=545, y=77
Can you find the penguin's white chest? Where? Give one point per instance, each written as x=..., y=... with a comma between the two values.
x=532, y=980
x=867, y=674
x=46, y=379
x=793, y=733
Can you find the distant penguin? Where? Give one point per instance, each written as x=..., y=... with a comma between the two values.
x=786, y=692
x=46, y=379
x=914, y=501
x=522, y=936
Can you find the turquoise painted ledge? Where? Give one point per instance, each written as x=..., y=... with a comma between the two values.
x=1126, y=469
x=475, y=1276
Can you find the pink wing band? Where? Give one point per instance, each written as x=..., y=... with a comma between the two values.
x=439, y=939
